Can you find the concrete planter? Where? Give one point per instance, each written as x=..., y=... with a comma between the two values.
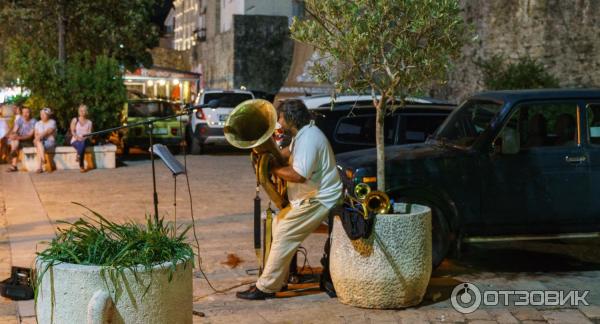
x=391, y=269
x=71, y=293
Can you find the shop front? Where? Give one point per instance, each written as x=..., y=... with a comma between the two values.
x=162, y=83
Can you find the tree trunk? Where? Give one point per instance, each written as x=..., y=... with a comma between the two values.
x=380, y=142
x=62, y=55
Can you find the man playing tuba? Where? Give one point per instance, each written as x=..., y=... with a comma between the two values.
x=313, y=188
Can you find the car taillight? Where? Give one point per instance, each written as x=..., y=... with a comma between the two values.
x=200, y=114
x=174, y=131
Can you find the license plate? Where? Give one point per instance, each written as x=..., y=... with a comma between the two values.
x=223, y=117
x=159, y=131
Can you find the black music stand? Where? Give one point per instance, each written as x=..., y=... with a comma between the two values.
x=168, y=159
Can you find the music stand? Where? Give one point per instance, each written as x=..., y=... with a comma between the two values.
x=168, y=159
x=150, y=125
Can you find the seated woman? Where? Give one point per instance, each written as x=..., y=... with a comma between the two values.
x=81, y=126
x=44, y=139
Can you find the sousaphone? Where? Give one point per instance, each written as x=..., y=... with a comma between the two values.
x=250, y=126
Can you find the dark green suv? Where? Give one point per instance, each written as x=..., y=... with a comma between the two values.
x=505, y=165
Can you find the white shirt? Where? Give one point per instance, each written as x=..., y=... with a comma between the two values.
x=41, y=127
x=312, y=158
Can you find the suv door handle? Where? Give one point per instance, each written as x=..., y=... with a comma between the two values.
x=575, y=159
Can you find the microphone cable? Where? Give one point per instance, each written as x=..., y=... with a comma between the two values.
x=187, y=180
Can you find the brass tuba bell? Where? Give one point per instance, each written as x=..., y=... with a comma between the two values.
x=377, y=202
x=361, y=191
x=250, y=126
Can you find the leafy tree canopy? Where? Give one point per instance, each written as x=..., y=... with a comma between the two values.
x=116, y=28
x=97, y=82
x=393, y=48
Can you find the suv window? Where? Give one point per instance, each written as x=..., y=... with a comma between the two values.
x=539, y=125
x=465, y=125
x=227, y=99
x=593, y=117
x=150, y=109
x=417, y=128
x=361, y=130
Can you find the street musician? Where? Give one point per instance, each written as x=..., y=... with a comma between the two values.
x=313, y=187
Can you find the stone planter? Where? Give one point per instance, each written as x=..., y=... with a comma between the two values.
x=65, y=158
x=71, y=293
x=390, y=269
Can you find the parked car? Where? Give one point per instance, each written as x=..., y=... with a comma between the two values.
x=349, y=121
x=505, y=165
x=206, y=125
x=166, y=132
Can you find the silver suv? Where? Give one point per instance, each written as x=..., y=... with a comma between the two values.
x=206, y=124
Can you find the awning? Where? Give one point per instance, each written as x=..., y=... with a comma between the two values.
x=299, y=82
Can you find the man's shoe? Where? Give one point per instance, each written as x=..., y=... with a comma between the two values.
x=254, y=294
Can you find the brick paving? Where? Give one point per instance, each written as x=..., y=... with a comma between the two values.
x=222, y=188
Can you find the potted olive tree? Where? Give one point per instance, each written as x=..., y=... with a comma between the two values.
x=98, y=271
x=392, y=50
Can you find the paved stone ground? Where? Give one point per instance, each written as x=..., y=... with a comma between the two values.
x=222, y=186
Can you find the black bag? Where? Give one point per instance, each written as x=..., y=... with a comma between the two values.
x=325, y=282
x=356, y=227
x=18, y=286
x=354, y=223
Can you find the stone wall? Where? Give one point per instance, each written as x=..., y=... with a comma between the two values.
x=256, y=54
x=170, y=58
x=563, y=35
x=216, y=57
x=263, y=52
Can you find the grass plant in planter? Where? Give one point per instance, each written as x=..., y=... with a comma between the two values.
x=98, y=271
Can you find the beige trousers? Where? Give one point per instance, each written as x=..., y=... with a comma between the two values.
x=291, y=226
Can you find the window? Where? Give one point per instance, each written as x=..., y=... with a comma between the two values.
x=150, y=109
x=227, y=100
x=417, y=128
x=466, y=123
x=593, y=117
x=539, y=125
x=361, y=130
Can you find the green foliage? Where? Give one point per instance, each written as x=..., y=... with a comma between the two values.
x=100, y=242
x=525, y=73
x=17, y=99
x=391, y=48
x=116, y=28
x=97, y=82
x=394, y=47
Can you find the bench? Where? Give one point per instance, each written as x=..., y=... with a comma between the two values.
x=65, y=158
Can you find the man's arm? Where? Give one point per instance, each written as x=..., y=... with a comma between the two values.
x=26, y=136
x=285, y=153
x=288, y=173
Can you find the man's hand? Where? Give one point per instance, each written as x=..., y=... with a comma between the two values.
x=287, y=173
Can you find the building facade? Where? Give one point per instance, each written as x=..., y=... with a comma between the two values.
x=237, y=43
x=186, y=22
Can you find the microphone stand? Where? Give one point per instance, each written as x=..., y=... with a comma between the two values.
x=150, y=125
